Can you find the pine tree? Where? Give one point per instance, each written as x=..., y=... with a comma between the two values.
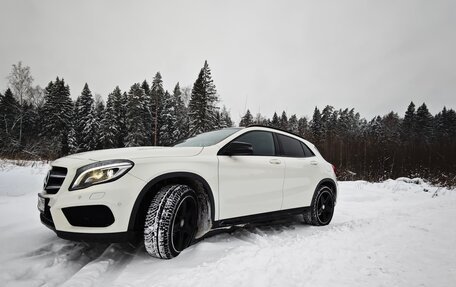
x=135, y=125
x=98, y=123
x=327, y=127
x=293, y=124
x=10, y=113
x=408, y=124
x=157, y=94
x=316, y=126
x=445, y=124
x=57, y=117
x=424, y=123
x=145, y=86
x=225, y=119
x=31, y=129
x=302, y=127
x=114, y=120
x=182, y=124
x=147, y=112
x=391, y=128
x=275, y=122
x=246, y=120
x=283, y=124
x=121, y=111
x=376, y=129
x=84, y=123
x=110, y=128
x=169, y=133
x=202, y=106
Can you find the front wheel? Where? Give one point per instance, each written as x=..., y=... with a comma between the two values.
x=322, y=208
x=171, y=221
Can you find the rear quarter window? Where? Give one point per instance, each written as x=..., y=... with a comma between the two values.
x=307, y=151
x=290, y=147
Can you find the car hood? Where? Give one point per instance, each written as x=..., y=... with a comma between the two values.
x=136, y=153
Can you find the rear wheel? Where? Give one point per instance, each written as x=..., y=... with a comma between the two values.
x=322, y=208
x=171, y=221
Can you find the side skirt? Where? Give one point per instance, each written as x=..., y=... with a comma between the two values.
x=259, y=218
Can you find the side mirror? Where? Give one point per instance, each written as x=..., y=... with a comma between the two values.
x=238, y=148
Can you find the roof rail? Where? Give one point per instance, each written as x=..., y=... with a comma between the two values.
x=277, y=129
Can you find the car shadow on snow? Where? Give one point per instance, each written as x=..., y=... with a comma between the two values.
x=262, y=228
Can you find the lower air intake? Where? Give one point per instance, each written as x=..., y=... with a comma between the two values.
x=89, y=216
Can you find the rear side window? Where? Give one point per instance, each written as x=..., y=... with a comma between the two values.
x=308, y=152
x=292, y=147
x=261, y=141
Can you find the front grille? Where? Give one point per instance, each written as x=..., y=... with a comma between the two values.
x=54, y=179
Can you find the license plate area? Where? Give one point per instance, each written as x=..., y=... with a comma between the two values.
x=41, y=203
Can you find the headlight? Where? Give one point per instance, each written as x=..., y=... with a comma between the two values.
x=100, y=172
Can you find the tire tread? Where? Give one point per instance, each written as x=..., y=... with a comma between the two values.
x=157, y=226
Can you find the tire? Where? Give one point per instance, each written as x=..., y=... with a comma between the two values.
x=171, y=221
x=321, y=210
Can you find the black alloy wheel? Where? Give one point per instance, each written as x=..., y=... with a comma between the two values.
x=184, y=224
x=321, y=210
x=325, y=207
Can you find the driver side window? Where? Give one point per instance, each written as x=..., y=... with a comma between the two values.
x=261, y=141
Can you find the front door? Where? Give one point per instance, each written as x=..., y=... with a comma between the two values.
x=251, y=184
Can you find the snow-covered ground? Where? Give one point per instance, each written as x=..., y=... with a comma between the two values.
x=394, y=233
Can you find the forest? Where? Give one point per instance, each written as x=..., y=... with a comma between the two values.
x=45, y=123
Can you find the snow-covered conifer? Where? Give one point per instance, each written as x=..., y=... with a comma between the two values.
x=246, y=120
x=293, y=124
x=283, y=121
x=275, y=122
x=225, y=119
x=84, y=121
x=181, y=113
x=303, y=127
x=157, y=93
x=147, y=112
x=57, y=117
x=136, y=133
x=98, y=122
x=168, y=129
x=202, y=106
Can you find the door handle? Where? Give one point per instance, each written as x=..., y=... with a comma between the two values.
x=314, y=162
x=275, y=161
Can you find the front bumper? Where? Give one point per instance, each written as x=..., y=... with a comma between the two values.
x=127, y=236
x=97, y=213
x=46, y=220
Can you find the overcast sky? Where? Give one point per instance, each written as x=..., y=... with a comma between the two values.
x=375, y=56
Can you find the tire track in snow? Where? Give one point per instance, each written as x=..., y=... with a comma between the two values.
x=99, y=271
x=50, y=264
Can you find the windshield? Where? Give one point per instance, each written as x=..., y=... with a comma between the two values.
x=209, y=138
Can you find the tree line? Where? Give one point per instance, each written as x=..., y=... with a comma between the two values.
x=390, y=146
x=46, y=123
x=37, y=123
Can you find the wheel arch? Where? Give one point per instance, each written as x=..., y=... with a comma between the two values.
x=195, y=181
x=329, y=183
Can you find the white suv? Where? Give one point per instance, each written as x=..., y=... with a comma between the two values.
x=171, y=196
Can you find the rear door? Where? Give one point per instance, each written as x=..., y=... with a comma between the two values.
x=301, y=174
x=251, y=184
